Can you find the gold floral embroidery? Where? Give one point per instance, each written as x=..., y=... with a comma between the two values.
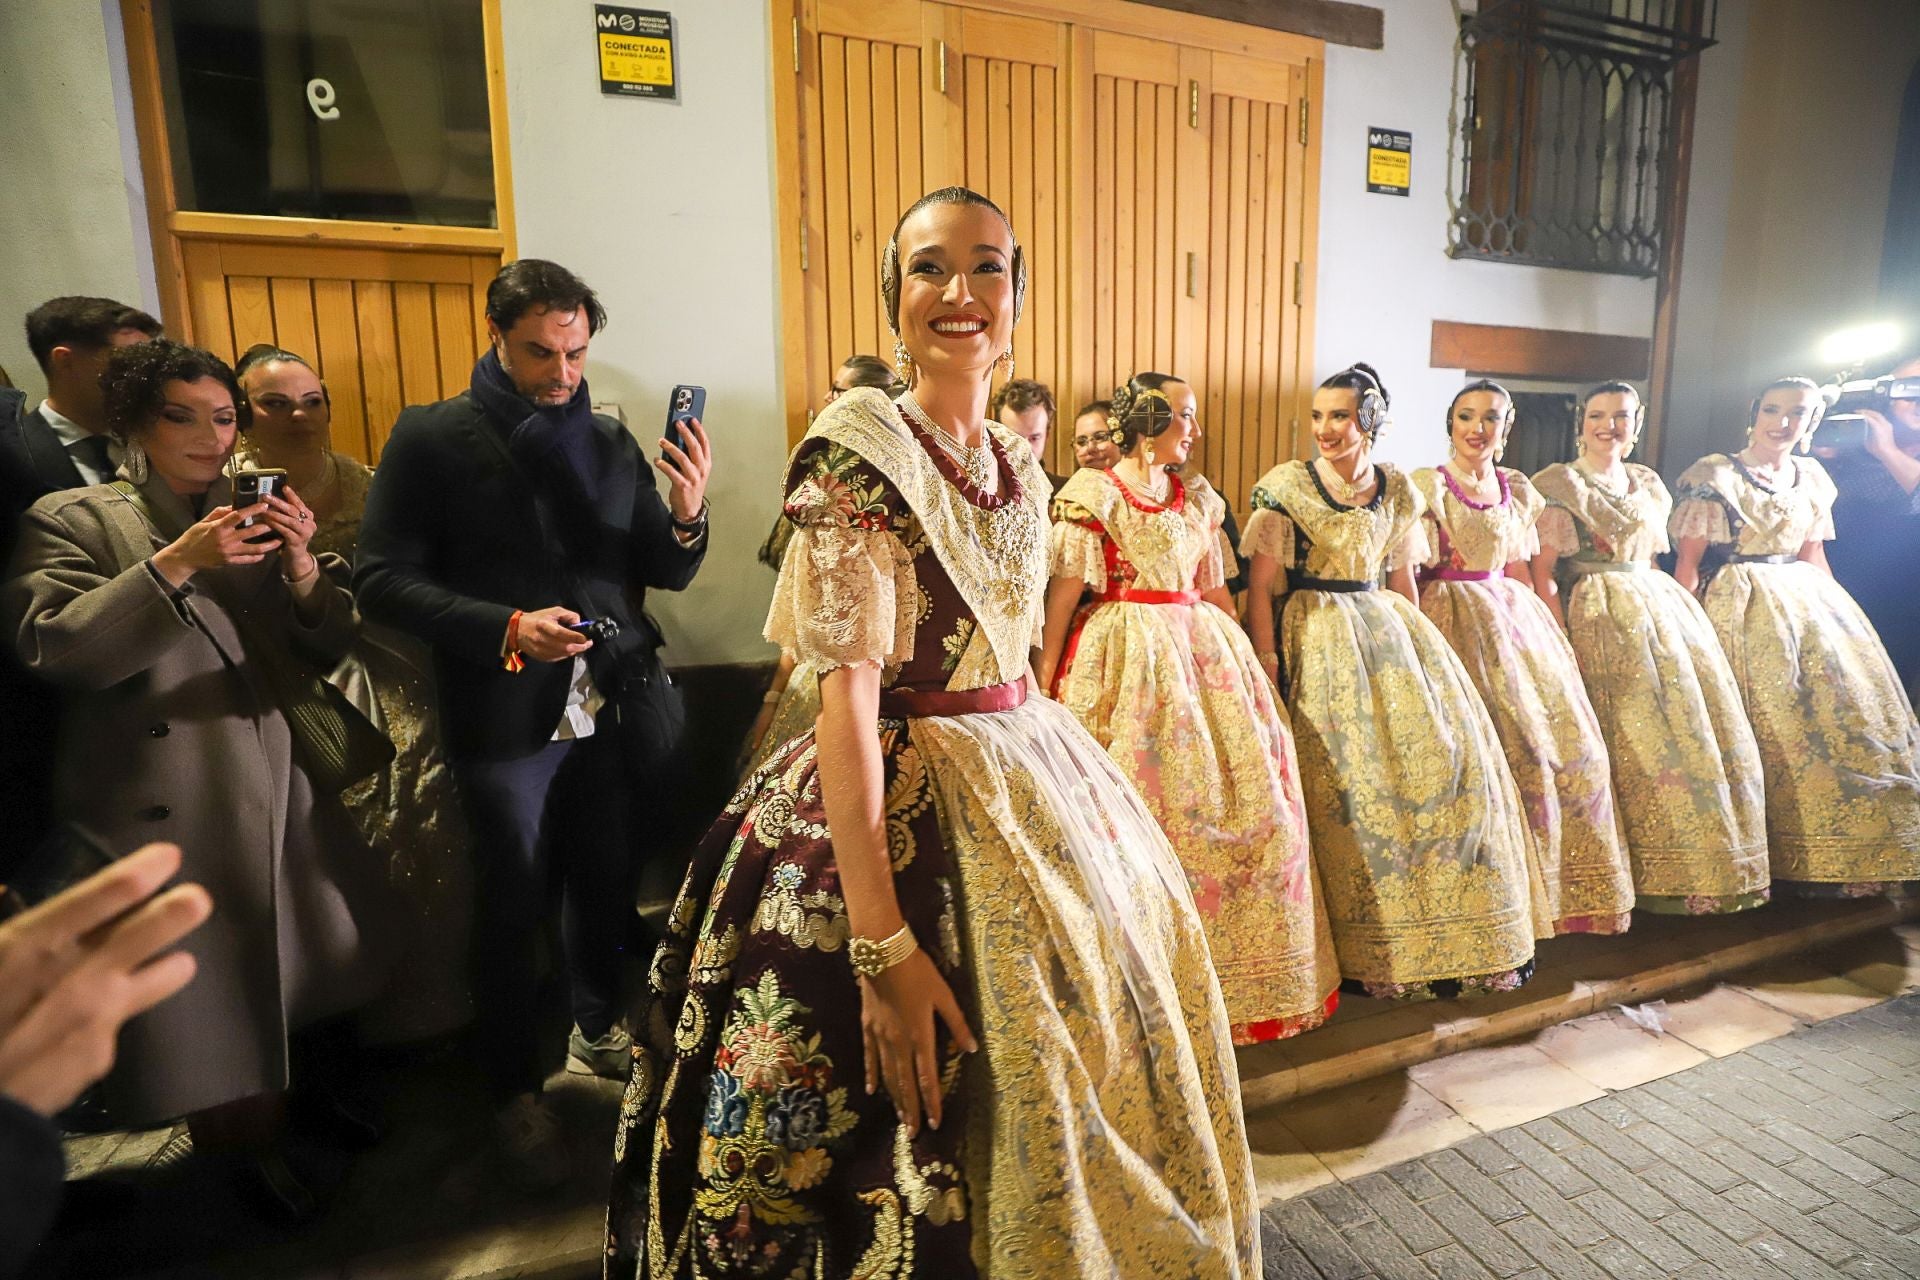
x=817, y=919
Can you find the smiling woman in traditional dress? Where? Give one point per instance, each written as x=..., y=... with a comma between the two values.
x=1161, y=674
x=1837, y=736
x=943, y=864
x=1686, y=772
x=1477, y=589
x=1415, y=821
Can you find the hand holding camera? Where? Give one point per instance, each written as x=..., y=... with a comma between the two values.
x=548, y=635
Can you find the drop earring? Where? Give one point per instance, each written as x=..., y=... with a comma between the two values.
x=135, y=463
x=1006, y=363
x=902, y=360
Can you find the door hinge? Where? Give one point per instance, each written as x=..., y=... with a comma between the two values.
x=1305, y=106
x=1299, y=274
x=942, y=53
x=803, y=242
x=796, y=45
x=1193, y=274
x=1193, y=104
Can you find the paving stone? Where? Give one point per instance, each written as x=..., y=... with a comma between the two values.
x=1621, y=1181
x=1712, y=1246
x=1735, y=1223
x=1703, y=1168
x=1451, y=1262
x=1874, y=1240
x=1495, y=1252
x=1566, y=1218
x=1609, y=1138
x=1406, y=1220
x=1314, y=1236
x=1687, y=1128
x=1550, y=1134
x=1868, y=1200
x=1384, y=1254
x=1339, y=1205
x=1646, y=1237
x=1479, y=1190
x=1779, y=1183
x=1560, y=1259
x=1488, y=1156
x=1830, y=1154
x=1285, y=1263
x=1417, y=1181
x=1868, y=1095
x=1532, y=1153
x=1622, y=1262
x=1816, y=1239
x=1792, y=1260
x=1823, y=1113
x=1612, y=1110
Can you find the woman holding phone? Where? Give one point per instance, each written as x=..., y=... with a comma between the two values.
x=934, y=999
x=156, y=612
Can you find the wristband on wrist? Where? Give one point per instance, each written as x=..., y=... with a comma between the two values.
x=694, y=525
x=510, y=647
x=870, y=959
x=313, y=567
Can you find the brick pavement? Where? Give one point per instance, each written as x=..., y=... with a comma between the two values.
x=1799, y=1157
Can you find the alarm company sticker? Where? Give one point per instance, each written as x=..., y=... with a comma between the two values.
x=1389, y=161
x=636, y=52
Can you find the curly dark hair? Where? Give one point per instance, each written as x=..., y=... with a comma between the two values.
x=530, y=284
x=134, y=384
x=1140, y=409
x=1020, y=395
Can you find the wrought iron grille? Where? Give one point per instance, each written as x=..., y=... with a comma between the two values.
x=1563, y=132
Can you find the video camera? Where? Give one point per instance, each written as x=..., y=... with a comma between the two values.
x=1842, y=429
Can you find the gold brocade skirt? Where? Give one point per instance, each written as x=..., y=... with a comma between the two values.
x=1416, y=827
x=1525, y=671
x=1686, y=772
x=1837, y=736
x=1106, y=1137
x=1175, y=695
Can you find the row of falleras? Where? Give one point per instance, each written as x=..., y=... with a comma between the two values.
x=1428, y=790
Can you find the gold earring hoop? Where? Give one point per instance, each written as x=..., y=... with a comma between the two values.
x=902, y=360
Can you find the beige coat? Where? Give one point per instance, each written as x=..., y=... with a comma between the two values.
x=170, y=732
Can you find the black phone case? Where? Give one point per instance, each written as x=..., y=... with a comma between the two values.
x=694, y=405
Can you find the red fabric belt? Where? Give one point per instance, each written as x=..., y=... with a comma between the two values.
x=1467, y=575
x=1139, y=595
x=907, y=704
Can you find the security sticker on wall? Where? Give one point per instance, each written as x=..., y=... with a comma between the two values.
x=1389, y=162
x=636, y=52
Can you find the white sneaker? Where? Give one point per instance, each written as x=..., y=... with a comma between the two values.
x=532, y=1142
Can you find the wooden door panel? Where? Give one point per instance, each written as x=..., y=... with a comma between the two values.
x=384, y=328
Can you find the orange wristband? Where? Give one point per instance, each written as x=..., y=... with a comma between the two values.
x=510, y=652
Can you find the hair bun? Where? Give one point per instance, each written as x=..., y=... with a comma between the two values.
x=1373, y=375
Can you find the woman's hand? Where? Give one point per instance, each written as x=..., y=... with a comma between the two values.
x=897, y=1009
x=217, y=539
x=292, y=519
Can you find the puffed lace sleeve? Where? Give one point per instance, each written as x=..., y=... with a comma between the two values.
x=847, y=592
x=1700, y=515
x=1269, y=531
x=1555, y=532
x=1079, y=550
x=1414, y=548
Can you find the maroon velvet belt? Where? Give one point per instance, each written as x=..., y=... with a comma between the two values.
x=1466, y=575
x=1140, y=595
x=903, y=704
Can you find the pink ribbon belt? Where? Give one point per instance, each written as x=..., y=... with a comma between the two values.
x=909, y=704
x=1139, y=595
x=1466, y=575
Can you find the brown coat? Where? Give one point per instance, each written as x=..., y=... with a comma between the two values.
x=170, y=732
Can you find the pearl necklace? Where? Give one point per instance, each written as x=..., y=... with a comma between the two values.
x=975, y=461
x=1147, y=491
x=1347, y=490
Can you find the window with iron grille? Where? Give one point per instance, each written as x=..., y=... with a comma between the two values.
x=1563, y=137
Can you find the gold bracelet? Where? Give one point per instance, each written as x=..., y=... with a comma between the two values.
x=870, y=959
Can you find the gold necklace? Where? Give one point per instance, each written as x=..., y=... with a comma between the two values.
x=1348, y=491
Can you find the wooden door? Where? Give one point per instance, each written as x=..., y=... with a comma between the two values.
x=384, y=328
x=389, y=313
x=1160, y=170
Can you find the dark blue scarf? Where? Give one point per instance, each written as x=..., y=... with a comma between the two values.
x=557, y=445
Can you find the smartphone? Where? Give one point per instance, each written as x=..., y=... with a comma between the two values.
x=252, y=487
x=686, y=402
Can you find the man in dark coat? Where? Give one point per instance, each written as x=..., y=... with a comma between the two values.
x=61, y=443
x=498, y=522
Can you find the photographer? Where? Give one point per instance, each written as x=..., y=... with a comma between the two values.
x=499, y=522
x=1877, y=524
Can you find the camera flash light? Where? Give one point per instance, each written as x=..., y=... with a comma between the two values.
x=1859, y=344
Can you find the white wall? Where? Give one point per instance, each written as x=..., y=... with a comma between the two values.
x=667, y=210
x=70, y=204
x=1385, y=276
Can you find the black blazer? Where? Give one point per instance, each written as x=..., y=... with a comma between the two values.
x=33, y=462
x=451, y=544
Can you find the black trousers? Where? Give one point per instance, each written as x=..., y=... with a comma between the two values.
x=552, y=825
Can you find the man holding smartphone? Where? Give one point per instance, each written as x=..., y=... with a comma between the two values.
x=516, y=532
